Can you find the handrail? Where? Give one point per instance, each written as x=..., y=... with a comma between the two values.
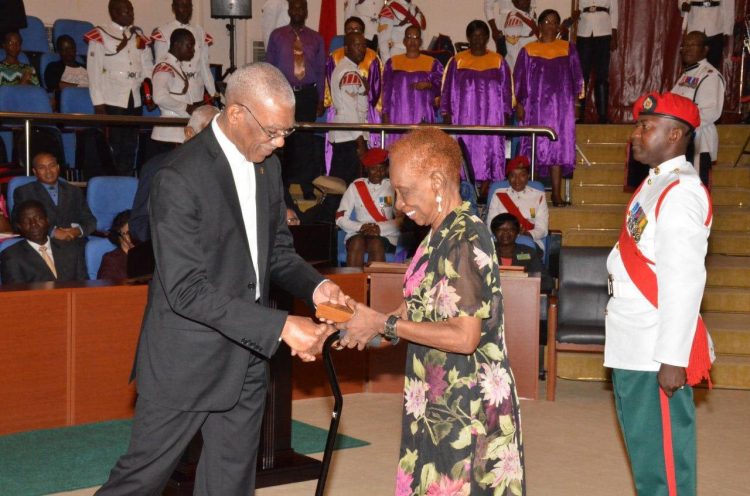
x=128, y=120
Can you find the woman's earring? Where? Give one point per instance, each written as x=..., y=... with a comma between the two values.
x=439, y=200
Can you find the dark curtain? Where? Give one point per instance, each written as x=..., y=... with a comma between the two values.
x=648, y=56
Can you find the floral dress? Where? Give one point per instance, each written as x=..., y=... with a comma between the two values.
x=461, y=432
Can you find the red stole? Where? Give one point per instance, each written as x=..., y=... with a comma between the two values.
x=364, y=193
x=512, y=209
x=407, y=15
x=637, y=267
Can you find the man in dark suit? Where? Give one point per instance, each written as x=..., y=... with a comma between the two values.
x=218, y=225
x=67, y=211
x=39, y=258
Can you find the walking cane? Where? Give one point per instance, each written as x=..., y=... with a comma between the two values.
x=338, y=401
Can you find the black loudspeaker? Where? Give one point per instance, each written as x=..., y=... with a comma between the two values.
x=237, y=9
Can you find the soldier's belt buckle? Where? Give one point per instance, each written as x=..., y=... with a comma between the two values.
x=706, y=4
x=131, y=75
x=610, y=288
x=591, y=9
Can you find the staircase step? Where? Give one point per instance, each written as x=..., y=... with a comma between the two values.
x=599, y=194
x=735, y=219
x=730, y=332
x=731, y=372
x=604, y=152
x=728, y=153
x=730, y=196
x=590, y=237
x=726, y=299
x=586, y=216
x=608, y=133
x=728, y=271
x=599, y=173
x=729, y=243
x=732, y=134
x=726, y=175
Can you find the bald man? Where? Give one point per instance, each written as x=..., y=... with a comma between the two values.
x=220, y=237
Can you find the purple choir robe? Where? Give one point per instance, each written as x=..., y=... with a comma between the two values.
x=401, y=102
x=548, y=81
x=477, y=91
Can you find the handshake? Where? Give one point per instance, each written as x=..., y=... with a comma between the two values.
x=337, y=312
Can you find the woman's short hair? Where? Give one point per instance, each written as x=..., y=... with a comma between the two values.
x=477, y=24
x=547, y=13
x=428, y=150
x=117, y=224
x=62, y=38
x=501, y=219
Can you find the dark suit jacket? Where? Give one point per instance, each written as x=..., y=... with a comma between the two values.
x=21, y=263
x=139, y=223
x=203, y=328
x=71, y=205
x=530, y=259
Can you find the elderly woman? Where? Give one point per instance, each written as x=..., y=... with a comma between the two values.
x=461, y=431
x=528, y=205
x=477, y=91
x=12, y=71
x=548, y=81
x=506, y=228
x=115, y=263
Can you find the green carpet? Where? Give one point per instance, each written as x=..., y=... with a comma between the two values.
x=54, y=460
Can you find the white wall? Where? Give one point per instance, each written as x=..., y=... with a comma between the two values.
x=443, y=16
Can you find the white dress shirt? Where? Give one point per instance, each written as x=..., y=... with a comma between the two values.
x=639, y=336
x=704, y=85
x=533, y=206
x=711, y=20
x=350, y=103
x=243, y=172
x=114, y=76
x=197, y=69
x=597, y=23
x=383, y=197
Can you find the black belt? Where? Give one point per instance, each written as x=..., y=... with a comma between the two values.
x=594, y=8
x=303, y=87
x=714, y=3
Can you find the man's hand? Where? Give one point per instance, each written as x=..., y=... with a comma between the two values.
x=520, y=112
x=671, y=378
x=330, y=292
x=361, y=145
x=576, y=15
x=320, y=109
x=304, y=336
x=686, y=6
x=362, y=327
x=66, y=233
x=422, y=86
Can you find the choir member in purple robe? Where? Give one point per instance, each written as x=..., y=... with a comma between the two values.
x=548, y=80
x=411, y=85
x=477, y=91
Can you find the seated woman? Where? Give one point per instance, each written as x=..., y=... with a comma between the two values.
x=373, y=230
x=12, y=71
x=506, y=227
x=66, y=72
x=115, y=263
x=527, y=204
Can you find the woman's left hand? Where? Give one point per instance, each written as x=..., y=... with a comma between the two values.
x=362, y=327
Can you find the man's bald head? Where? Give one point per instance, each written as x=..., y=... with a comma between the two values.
x=199, y=119
x=259, y=82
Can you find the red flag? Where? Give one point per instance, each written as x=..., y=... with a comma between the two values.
x=327, y=24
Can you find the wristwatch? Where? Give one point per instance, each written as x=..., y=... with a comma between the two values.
x=389, y=331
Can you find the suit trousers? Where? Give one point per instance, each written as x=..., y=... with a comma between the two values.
x=345, y=163
x=301, y=158
x=230, y=444
x=594, y=53
x=124, y=139
x=640, y=415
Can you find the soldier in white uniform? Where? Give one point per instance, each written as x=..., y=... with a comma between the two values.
x=366, y=213
x=656, y=342
x=172, y=87
x=704, y=85
x=493, y=10
x=197, y=69
x=394, y=18
x=596, y=38
x=368, y=11
x=518, y=24
x=713, y=17
x=274, y=14
x=527, y=204
x=118, y=62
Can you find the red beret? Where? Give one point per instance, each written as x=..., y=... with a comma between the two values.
x=374, y=157
x=668, y=105
x=518, y=162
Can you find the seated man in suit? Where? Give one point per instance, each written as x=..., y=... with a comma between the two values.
x=39, y=258
x=64, y=204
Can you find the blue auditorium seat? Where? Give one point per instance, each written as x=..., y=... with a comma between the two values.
x=107, y=196
x=14, y=183
x=74, y=29
x=96, y=247
x=34, y=36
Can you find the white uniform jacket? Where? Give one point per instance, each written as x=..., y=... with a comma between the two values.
x=197, y=69
x=597, y=23
x=493, y=9
x=113, y=75
x=350, y=101
x=382, y=195
x=367, y=10
x=514, y=25
x=704, y=85
x=273, y=14
x=391, y=30
x=713, y=17
x=172, y=95
x=639, y=336
x=531, y=203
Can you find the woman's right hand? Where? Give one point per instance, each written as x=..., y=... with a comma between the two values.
x=364, y=325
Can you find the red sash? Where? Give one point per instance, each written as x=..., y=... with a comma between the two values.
x=637, y=267
x=513, y=210
x=407, y=15
x=529, y=22
x=364, y=193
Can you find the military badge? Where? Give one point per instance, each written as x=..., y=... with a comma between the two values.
x=637, y=221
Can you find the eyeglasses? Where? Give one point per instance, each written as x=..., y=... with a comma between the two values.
x=282, y=133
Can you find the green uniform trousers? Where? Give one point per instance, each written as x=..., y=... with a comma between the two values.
x=640, y=414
